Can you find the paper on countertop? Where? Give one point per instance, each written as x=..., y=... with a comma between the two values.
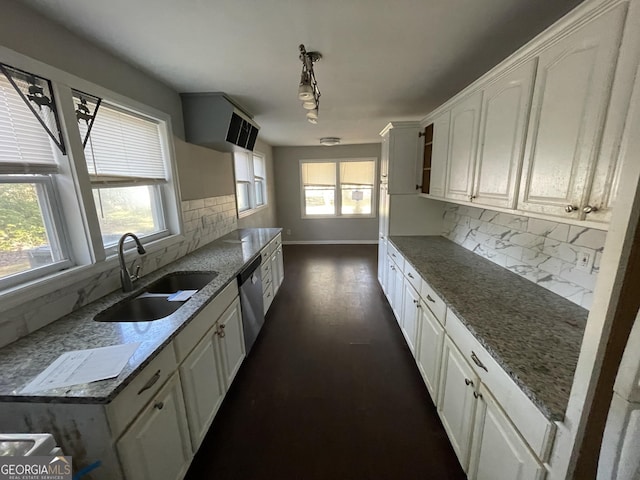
x=182, y=295
x=83, y=366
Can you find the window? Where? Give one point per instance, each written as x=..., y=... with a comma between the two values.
x=251, y=181
x=32, y=238
x=126, y=167
x=342, y=188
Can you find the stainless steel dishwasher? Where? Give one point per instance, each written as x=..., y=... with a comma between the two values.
x=250, y=283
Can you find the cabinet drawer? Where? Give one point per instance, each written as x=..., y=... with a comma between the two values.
x=278, y=241
x=536, y=429
x=433, y=301
x=264, y=253
x=412, y=276
x=126, y=406
x=395, y=255
x=265, y=270
x=267, y=296
x=189, y=337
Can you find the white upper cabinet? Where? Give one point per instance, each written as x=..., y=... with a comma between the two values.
x=400, y=149
x=570, y=100
x=503, y=126
x=434, y=162
x=463, y=143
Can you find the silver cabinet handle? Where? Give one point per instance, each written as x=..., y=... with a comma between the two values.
x=468, y=382
x=570, y=208
x=430, y=299
x=393, y=255
x=150, y=383
x=477, y=395
x=410, y=276
x=589, y=209
x=477, y=361
x=159, y=406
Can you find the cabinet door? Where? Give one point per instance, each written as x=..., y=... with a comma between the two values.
x=383, y=211
x=280, y=261
x=384, y=159
x=456, y=404
x=389, y=279
x=231, y=342
x=570, y=99
x=398, y=293
x=157, y=446
x=382, y=267
x=463, y=146
x=410, y=316
x=503, y=126
x=430, y=350
x=275, y=275
x=498, y=451
x=404, y=154
x=440, y=149
x=202, y=387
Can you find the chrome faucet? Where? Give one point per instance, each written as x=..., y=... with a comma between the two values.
x=126, y=278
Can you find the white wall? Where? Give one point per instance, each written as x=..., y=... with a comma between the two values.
x=287, y=176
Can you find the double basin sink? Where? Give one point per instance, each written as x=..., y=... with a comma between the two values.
x=152, y=303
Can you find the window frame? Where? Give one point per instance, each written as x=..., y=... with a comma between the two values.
x=254, y=206
x=338, y=189
x=73, y=188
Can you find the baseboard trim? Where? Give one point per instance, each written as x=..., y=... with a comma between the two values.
x=330, y=242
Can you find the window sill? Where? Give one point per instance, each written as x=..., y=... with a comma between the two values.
x=26, y=292
x=336, y=217
x=251, y=211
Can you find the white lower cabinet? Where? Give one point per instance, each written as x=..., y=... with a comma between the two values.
x=157, y=445
x=498, y=451
x=202, y=387
x=410, y=316
x=231, y=342
x=456, y=402
x=430, y=342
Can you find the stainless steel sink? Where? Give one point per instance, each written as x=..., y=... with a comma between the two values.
x=155, y=306
x=139, y=309
x=173, y=282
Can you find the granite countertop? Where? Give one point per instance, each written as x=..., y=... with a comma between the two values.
x=534, y=334
x=22, y=360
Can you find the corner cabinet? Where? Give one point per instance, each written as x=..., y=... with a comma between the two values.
x=571, y=95
x=400, y=153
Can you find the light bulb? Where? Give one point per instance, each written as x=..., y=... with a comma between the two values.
x=312, y=113
x=309, y=105
x=305, y=92
x=312, y=120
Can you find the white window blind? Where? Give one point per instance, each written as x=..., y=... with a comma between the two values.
x=123, y=148
x=258, y=166
x=243, y=168
x=357, y=173
x=315, y=174
x=25, y=147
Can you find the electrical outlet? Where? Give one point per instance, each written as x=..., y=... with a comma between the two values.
x=585, y=260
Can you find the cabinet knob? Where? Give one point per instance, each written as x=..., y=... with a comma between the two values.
x=570, y=208
x=477, y=395
x=159, y=406
x=472, y=198
x=416, y=302
x=468, y=382
x=589, y=209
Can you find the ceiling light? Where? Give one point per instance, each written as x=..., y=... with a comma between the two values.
x=313, y=113
x=308, y=90
x=329, y=141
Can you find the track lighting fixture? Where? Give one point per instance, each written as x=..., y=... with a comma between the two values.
x=308, y=90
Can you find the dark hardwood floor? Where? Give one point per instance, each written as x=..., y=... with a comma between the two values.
x=330, y=390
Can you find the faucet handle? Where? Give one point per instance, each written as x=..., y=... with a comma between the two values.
x=136, y=275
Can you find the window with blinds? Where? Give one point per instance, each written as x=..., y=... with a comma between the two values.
x=337, y=188
x=31, y=235
x=126, y=166
x=251, y=181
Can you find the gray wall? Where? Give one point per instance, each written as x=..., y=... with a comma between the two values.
x=29, y=33
x=265, y=217
x=287, y=176
x=203, y=172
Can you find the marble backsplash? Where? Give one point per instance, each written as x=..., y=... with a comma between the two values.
x=542, y=251
x=204, y=221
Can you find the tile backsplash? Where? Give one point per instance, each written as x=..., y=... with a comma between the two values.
x=542, y=251
x=204, y=221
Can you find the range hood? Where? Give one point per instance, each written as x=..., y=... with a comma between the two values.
x=213, y=120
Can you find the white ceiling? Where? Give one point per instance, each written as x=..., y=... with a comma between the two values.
x=382, y=59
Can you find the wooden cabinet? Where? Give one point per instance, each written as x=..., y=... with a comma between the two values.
x=410, y=316
x=157, y=445
x=202, y=386
x=498, y=451
x=463, y=145
x=278, y=269
x=383, y=233
x=570, y=100
x=430, y=340
x=439, y=154
x=230, y=342
x=503, y=126
x=400, y=154
x=456, y=403
x=382, y=267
